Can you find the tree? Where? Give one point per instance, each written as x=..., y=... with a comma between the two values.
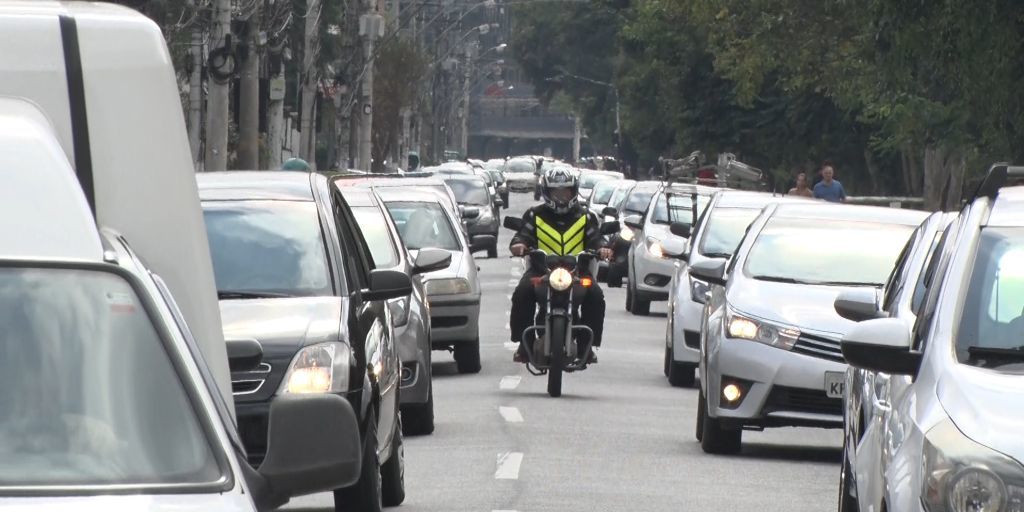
x=397, y=60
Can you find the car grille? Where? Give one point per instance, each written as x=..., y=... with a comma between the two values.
x=819, y=346
x=789, y=399
x=692, y=339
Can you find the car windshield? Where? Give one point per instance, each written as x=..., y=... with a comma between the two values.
x=603, y=192
x=992, y=318
x=589, y=179
x=619, y=196
x=834, y=252
x=469, y=191
x=681, y=206
x=88, y=395
x=521, y=165
x=268, y=247
x=725, y=229
x=374, y=226
x=639, y=199
x=423, y=225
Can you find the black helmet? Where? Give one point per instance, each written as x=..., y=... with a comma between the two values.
x=558, y=179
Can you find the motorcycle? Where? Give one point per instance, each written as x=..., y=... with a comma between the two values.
x=558, y=342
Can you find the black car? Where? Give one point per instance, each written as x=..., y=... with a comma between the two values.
x=294, y=273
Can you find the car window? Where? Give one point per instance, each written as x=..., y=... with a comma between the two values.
x=374, y=226
x=469, y=191
x=934, y=274
x=603, y=191
x=638, y=201
x=521, y=165
x=422, y=225
x=993, y=313
x=681, y=208
x=919, y=287
x=88, y=394
x=895, y=283
x=267, y=246
x=725, y=228
x=834, y=252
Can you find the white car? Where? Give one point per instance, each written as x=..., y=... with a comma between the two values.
x=717, y=233
x=770, y=340
x=672, y=211
x=951, y=438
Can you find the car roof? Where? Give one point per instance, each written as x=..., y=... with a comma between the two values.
x=1008, y=208
x=752, y=199
x=358, y=196
x=270, y=185
x=465, y=177
x=823, y=211
x=410, y=195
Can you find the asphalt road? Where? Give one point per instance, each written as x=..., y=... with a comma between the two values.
x=619, y=439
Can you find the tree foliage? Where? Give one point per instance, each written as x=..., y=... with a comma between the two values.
x=393, y=91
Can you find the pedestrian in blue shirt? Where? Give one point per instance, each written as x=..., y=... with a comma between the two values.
x=829, y=189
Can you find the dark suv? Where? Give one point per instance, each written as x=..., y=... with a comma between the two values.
x=294, y=273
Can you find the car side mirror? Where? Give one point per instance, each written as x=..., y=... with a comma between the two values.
x=610, y=228
x=881, y=345
x=306, y=457
x=711, y=271
x=858, y=305
x=470, y=212
x=674, y=248
x=513, y=223
x=482, y=242
x=244, y=354
x=634, y=221
x=388, y=284
x=429, y=260
x=680, y=229
x=498, y=202
x=610, y=211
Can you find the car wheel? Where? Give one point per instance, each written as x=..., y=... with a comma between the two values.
x=716, y=439
x=393, y=471
x=701, y=408
x=640, y=307
x=668, y=360
x=847, y=502
x=365, y=495
x=629, y=298
x=467, y=356
x=492, y=252
x=680, y=375
x=418, y=419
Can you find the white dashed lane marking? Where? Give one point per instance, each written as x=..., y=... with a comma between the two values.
x=511, y=414
x=508, y=466
x=510, y=382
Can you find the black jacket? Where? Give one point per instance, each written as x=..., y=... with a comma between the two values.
x=562, y=223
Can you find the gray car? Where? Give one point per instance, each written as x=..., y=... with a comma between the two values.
x=410, y=315
x=453, y=292
x=482, y=212
x=770, y=339
x=951, y=437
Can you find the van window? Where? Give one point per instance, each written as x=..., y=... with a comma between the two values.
x=88, y=395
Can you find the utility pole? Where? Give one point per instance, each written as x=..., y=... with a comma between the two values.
x=195, y=93
x=371, y=27
x=275, y=112
x=249, y=94
x=221, y=70
x=464, y=126
x=310, y=79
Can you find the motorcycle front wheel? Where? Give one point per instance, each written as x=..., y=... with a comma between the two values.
x=556, y=344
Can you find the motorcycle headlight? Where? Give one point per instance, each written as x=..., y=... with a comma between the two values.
x=399, y=311
x=698, y=290
x=560, y=279
x=454, y=286
x=626, y=234
x=746, y=328
x=961, y=475
x=654, y=247
x=320, y=368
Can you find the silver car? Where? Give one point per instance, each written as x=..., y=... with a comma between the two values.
x=717, y=233
x=951, y=438
x=453, y=292
x=770, y=339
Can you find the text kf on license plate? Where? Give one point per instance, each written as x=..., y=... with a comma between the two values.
x=834, y=384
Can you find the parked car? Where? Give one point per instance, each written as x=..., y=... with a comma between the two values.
x=634, y=202
x=649, y=269
x=589, y=178
x=294, y=272
x=770, y=339
x=410, y=315
x=717, y=233
x=454, y=292
x=951, y=438
x=521, y=173
x=867, y=393
x=473, y=195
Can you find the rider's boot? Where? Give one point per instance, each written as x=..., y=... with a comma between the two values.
x=520, y=355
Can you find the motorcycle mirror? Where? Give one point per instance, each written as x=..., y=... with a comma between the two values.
x=513, y=223
x=608, y=228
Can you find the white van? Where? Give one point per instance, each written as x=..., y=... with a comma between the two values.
x=106, y=401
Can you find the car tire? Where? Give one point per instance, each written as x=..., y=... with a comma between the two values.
x=702, y=407
x=418, y=419
x=492, y=252
x=467, y=356
x=680, y=375
x=716, y=439
x=847, y=502
x=392, y=472
x=668, y=361
x=638, y=306
x=629, y=298
x=365, y=494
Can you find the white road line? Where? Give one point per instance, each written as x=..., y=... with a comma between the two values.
x=511, y=414
x=508, y=466
x=509, y=382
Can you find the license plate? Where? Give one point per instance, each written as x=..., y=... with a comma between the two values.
x=834, y=384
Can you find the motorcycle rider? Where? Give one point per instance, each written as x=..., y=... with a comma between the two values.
x=558, y=226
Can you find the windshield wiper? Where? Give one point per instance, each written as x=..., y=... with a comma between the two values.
x=1012, y=353
x=842, y=283
x=777, y=279
x=725, y=256
x=242, y=294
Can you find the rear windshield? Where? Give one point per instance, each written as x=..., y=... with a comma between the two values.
x=423, y=225
x=520, y=166
x=469, y=191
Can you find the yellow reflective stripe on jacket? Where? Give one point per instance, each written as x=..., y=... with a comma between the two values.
x=569, y=243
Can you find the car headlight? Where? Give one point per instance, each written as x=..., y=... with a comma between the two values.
x=453, y=286
x=654, y=247
x=560, y=279
x=399, y=311
x=698, y=290
x=961, y=475
x=626, y=234
x=320, y=368
x=746, y=328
